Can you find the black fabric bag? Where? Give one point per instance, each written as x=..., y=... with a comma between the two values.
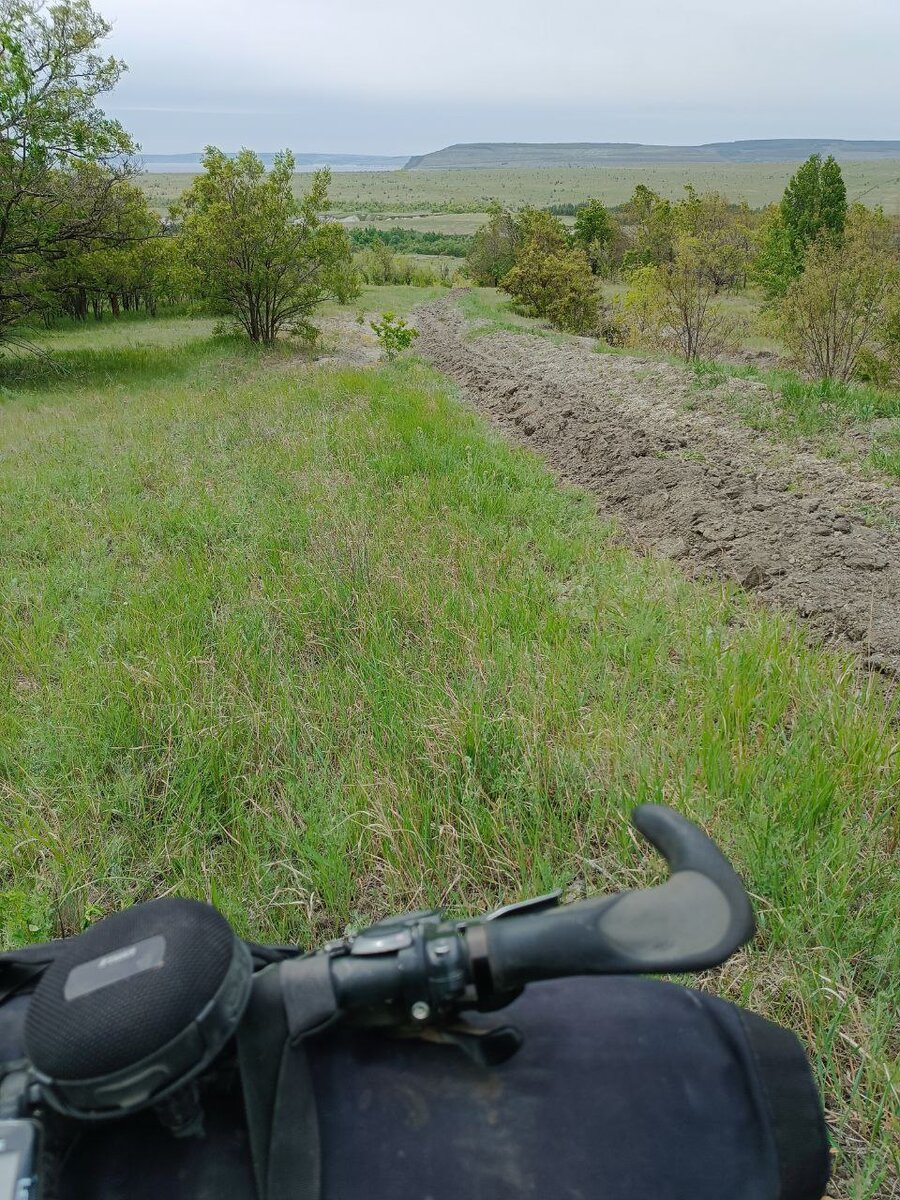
x=623, y=1089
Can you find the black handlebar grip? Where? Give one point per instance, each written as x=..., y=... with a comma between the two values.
x=695, y=920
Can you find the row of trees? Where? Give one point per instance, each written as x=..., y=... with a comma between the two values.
x=827, y=272
x=77, y=235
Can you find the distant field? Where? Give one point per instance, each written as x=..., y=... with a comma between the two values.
x=432, y=223
x=469, y=192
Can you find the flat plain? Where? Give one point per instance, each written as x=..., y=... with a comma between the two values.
x=876, y=182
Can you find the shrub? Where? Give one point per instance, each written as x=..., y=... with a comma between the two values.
x=379, y=265
x=394, y=335
x=556, y=285
x=671, y=307
x=839, y=317
x=612, y=328
x=254, y=251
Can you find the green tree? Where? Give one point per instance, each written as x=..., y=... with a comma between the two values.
x=255, y=252
x=558, y=286
x=671, y=306
x=119, y=264
x=493, y=249
x=51, y=76
x=814, y=205
x=377, y=264
x=722, y=233
x=838, y=315
x=595, y=232
x=815, y=201
x=652, y=226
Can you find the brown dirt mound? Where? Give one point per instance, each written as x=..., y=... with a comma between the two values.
x=688, y=482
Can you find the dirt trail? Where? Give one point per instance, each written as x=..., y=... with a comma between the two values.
x=688, y=482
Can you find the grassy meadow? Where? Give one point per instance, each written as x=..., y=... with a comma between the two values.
x=315, y=645
x=469, y=191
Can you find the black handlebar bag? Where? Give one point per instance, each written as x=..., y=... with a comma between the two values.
x=622, y=1089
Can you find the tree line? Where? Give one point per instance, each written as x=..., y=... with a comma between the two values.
x=77, y=235
x=828, y=272
x=412, y=241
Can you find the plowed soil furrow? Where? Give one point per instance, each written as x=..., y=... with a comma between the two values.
x=687, y=481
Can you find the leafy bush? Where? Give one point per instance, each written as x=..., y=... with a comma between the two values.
x=254, y=251
x=394, y=335
x=497, y=246
x=671, y=307
x=556, y=285
x=378, y=265
x=612, y=328
x=839, y=318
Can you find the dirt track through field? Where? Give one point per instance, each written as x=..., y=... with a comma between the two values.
x=686, y=481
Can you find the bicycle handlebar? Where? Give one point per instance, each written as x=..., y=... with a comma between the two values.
x=421, y=968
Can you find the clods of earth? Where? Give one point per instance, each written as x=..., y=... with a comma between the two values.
x=687, y=481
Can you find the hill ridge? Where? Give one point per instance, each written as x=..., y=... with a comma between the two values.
x=469, y=155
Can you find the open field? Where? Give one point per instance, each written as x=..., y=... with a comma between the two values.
x=432, y=222
x=445, y=191
x=316, y=645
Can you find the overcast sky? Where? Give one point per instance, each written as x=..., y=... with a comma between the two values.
x=398, y=77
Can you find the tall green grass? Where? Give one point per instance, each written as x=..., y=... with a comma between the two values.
x=808, y=407
x=316, y=646
x=110, y=366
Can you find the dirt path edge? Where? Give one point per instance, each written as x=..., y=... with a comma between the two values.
x=688, y=482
